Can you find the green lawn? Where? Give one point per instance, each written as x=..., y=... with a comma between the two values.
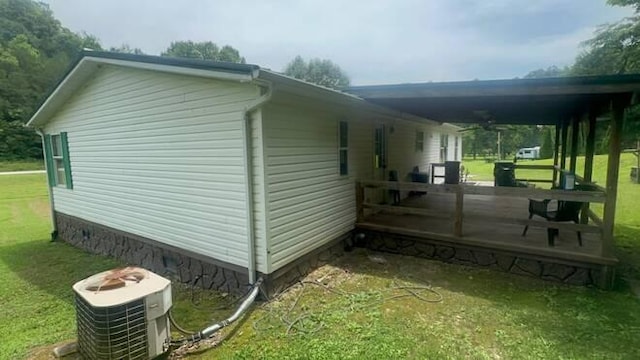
x=362, y=311
x=21, y=165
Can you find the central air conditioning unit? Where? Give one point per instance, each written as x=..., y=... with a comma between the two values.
x=123, y=314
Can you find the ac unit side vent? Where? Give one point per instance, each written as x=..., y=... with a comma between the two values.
x=114, y=332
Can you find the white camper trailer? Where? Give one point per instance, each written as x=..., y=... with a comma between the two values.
x=529, y=153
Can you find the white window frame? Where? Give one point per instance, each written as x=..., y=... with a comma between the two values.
x=419, y=141
x=444, y=147
x=57, y=155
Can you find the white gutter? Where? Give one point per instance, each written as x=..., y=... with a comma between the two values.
x=52, y=211
x=246, y=131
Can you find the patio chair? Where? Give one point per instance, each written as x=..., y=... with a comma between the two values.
x=418, y=177
x=567, y=211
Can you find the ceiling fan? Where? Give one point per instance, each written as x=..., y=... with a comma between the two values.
x=485, y=122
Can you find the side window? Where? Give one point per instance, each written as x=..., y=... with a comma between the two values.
x=343, y=150
x=444, y=147
x=420, y=141
x=57, y=158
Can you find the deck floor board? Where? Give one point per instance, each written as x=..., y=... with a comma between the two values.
x=486, y=232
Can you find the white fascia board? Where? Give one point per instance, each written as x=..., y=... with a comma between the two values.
x=62, y=92
x=204, y=73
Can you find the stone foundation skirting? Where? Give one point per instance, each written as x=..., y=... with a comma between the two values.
x=576, y=273
x=184, y=266
x=177, y=264
x=290, y=274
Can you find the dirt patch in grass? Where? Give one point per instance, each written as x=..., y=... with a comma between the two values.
x=16, y=211
x=40, y=207
x=46, y=352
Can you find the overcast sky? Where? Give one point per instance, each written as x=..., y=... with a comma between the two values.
x=374, y=41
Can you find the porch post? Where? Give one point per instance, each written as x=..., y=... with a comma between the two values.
x=575, y=129
x=613, y=167
x=588, y=159
x=457, y=225
x=556, y=152
x=563, y=155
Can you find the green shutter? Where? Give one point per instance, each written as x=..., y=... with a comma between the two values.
x=65, y=159
x=48, y=157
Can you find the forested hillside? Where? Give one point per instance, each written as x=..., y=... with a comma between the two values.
x=35, y=49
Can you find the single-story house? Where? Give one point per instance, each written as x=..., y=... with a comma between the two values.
x=218, y=172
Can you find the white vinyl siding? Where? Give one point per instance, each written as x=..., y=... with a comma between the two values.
x=403, y=156
x=310, y=203
x=160, y=156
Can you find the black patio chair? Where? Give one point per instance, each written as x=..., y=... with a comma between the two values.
x=418, y=177
x=567, y=211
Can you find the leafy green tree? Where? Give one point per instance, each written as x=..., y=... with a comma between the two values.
x=35, y=49
x=546, y=149
x=317, y=71
x=478, y=141
x=206, y=50
x=551, y=71
x=615, y=49
x=126, y=49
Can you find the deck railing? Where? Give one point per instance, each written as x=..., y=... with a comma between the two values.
x=535, y=167
x=459, y=216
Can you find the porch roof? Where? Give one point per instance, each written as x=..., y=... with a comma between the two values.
x=515, y=101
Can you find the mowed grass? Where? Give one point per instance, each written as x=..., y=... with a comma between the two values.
x=482, y=315
x=35, y=274
x=353, y=308
x=627, y=206
x=21, y=165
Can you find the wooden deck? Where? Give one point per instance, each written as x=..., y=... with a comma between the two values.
x=489, y=221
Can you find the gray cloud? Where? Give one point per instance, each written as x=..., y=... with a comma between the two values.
x=378, y=41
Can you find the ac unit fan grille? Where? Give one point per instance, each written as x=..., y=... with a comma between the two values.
x=116, y=332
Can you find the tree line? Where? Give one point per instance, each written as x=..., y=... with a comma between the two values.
x=36, y=49
x=614, y=49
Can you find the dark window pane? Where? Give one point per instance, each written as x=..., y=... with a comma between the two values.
x=344, y=134
x=56, y=143
x=344, y=160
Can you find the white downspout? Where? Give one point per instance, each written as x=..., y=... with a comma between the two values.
x=54, y=226
x=247, y=154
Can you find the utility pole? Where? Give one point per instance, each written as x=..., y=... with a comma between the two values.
x=499, y=149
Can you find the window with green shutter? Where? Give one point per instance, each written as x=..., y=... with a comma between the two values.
x=58, y=163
